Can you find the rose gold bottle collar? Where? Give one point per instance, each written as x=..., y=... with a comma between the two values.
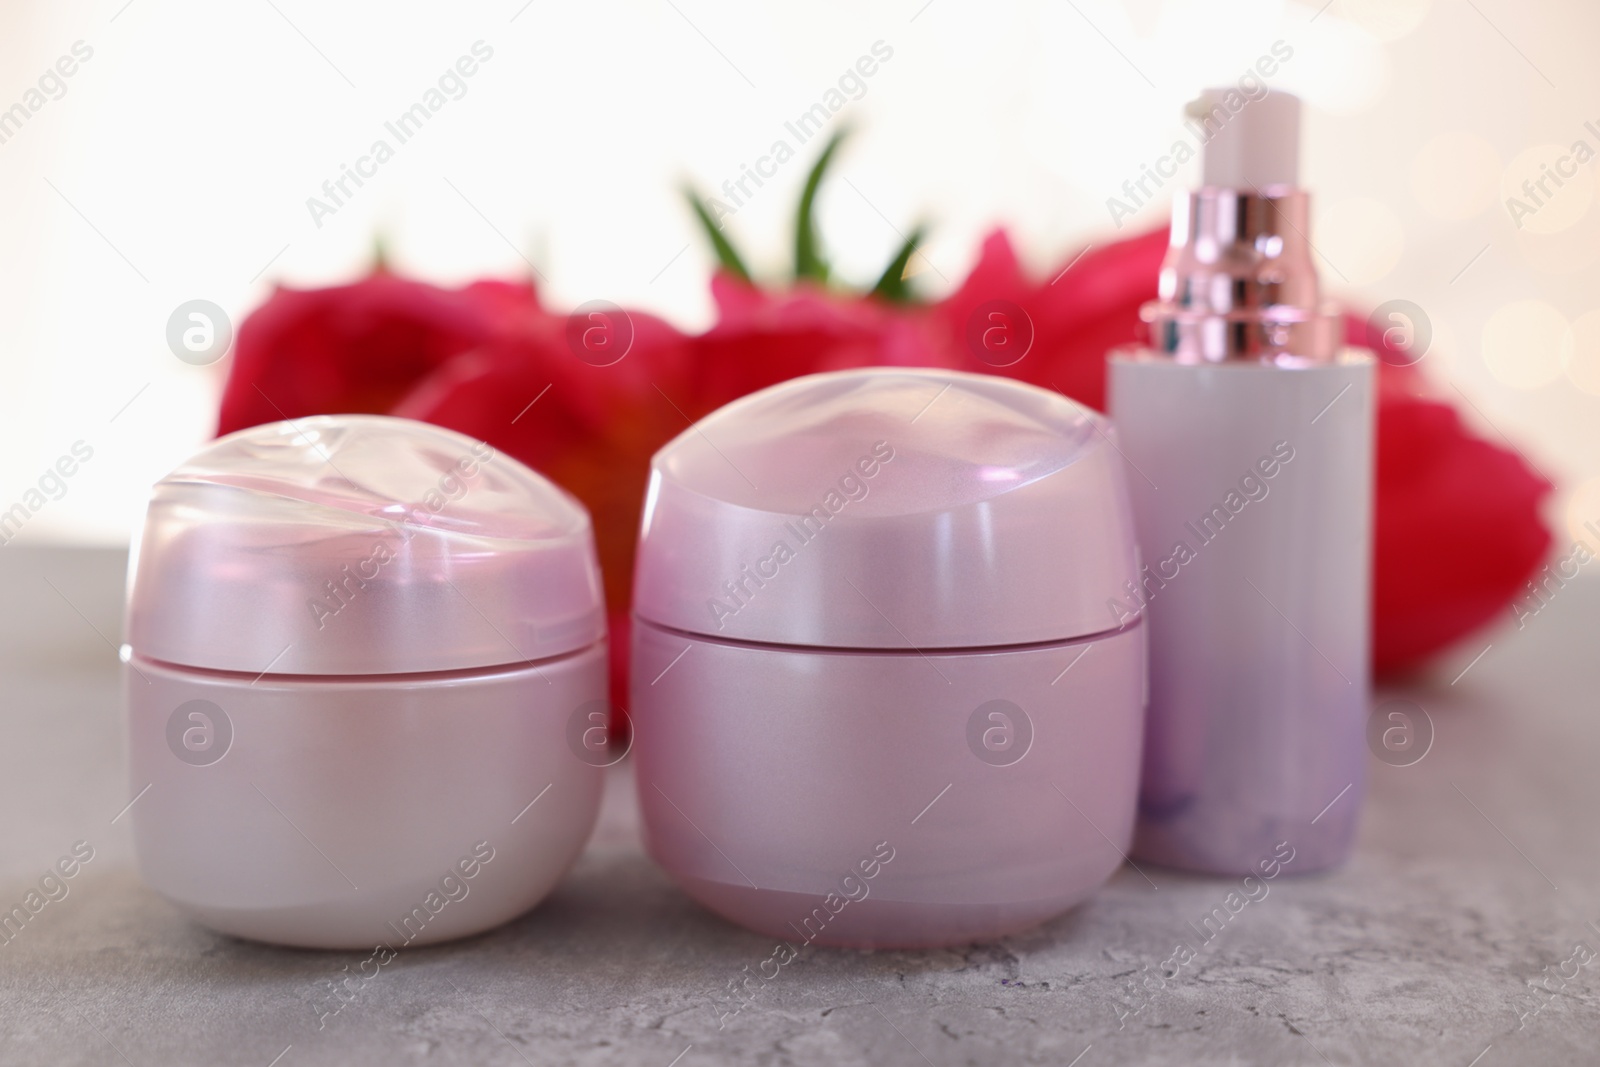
x=1238, y=283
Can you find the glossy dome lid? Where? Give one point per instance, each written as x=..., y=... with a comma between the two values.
x=889, y=508
x=360, y=544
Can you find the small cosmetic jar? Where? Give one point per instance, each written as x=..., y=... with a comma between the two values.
x=365, y=660
x=883, y=693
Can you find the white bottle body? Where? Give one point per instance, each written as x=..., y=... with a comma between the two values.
x=1252, y=494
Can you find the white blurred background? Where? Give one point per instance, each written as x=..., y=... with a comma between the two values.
x=177, y=161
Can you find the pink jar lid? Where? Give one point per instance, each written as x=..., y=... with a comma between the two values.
x=889, y=508
x=360, y=544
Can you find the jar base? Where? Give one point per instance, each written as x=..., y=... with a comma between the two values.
x=872, y=922
x=353, y=812
x=396, y=921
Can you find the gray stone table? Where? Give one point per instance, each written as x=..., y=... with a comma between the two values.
x=1477, y=872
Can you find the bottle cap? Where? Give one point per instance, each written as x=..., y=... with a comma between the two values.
x=1253, y=147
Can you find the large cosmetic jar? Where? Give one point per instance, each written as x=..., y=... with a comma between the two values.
x=365, y=658
x=884, y=692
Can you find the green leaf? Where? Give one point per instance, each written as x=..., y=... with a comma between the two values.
x=893, y=285
x=808, y=261
x=727, y=255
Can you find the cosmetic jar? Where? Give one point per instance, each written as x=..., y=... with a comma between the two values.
x=878, y=694
x=362, y=654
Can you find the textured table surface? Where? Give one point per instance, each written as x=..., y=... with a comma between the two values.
x=1477, y=872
